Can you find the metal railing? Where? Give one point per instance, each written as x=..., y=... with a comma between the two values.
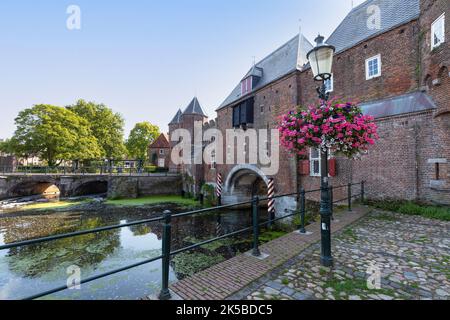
x=167, y=218
x=83, y=171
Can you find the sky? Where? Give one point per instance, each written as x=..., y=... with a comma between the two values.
x=144, y=58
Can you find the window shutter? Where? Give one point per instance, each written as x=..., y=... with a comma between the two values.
x=332, y=167
x=304, y=167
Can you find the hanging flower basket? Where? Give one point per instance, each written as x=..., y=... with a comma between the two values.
x=335, y=126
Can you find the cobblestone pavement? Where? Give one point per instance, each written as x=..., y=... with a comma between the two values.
x=412, y=253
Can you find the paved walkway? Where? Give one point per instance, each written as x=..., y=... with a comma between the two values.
x=411, y=253
x=227, y=278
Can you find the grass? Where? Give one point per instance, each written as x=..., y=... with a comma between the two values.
x=354, y=287
x=268, y=236
x=350, y=233
x=53, y=205
x=414, y=209
x=152, y=200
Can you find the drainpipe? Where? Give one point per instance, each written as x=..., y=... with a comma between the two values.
x=416, y=149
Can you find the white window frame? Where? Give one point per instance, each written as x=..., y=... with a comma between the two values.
x=161, y=152
x=319, y=158
x=434, y=25
x=378, y=58
x=311, y=163
x=331, y=81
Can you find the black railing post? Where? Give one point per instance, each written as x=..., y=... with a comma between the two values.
x=363, y=191
x=302, y=210
x=332, y=202
x=167, y=229
x=349, y=197
x=255, y=210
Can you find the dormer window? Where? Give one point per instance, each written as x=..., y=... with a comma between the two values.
x=246, y=86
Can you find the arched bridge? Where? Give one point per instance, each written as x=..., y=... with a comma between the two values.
x=116, y=186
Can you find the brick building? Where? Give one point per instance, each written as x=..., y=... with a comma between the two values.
x=159, y=151
x=395, y=64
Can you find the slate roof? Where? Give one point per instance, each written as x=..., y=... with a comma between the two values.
x=354, y=28
x=408, y=103
x=279, y=63
x=194, y=108
x=161, y=143
x=177, y=118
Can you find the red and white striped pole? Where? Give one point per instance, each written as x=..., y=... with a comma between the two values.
x=219, y=189
x=271, y=195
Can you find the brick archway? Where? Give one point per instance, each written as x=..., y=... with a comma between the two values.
x=242, y=182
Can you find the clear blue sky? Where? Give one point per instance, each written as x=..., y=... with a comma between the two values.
x=144, y=59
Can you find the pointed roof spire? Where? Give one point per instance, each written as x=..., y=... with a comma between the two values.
x=177, y=118
x=195, y=108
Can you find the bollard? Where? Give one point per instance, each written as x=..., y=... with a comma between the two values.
x=167, y=228
x=349, y=197
x=202, y=199
x=219, y=201
x=363, y=191
x=332, y=202
x=255, y=210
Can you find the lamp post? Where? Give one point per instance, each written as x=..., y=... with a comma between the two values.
x=321, y=61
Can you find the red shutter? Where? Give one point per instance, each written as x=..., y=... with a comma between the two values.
x=304, y=167
x=332, y=167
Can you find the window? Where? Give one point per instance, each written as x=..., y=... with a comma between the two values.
x=438, y=32
x=246, y=86
x=161, y=151
x=314, y=160
x=329, y=84
x=243, y=113
x=373, y=67
x=314, y=157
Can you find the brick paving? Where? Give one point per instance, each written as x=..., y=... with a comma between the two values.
x=227, y=278
x=412, y=254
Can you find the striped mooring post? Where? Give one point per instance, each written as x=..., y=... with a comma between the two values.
x=219, y=189
x=270, y=195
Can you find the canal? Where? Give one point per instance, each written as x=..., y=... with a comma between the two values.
x=32, y=269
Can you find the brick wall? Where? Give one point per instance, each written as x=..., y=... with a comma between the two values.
x=435, y=79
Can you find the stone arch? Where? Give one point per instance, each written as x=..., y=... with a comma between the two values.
x=46, y=187
x=93, y=187
x=244, y=181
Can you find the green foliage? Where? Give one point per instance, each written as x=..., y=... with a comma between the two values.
x=106, y=126
x=52, y=133
x=142, y=135
x=414, y=209
x=270, y=235
x=209, y=193
x=152, y=200
x=188, y=264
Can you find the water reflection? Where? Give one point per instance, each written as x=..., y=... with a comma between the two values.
x=28, y=270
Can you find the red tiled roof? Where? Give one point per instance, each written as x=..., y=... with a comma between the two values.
x=161, y=143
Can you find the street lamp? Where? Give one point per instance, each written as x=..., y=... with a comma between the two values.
x=321, y=61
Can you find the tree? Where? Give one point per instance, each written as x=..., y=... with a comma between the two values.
x=142, y=135
x=105, y=125
x=53, y=134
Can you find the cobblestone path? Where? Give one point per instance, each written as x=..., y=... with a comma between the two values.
x=412, y=254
